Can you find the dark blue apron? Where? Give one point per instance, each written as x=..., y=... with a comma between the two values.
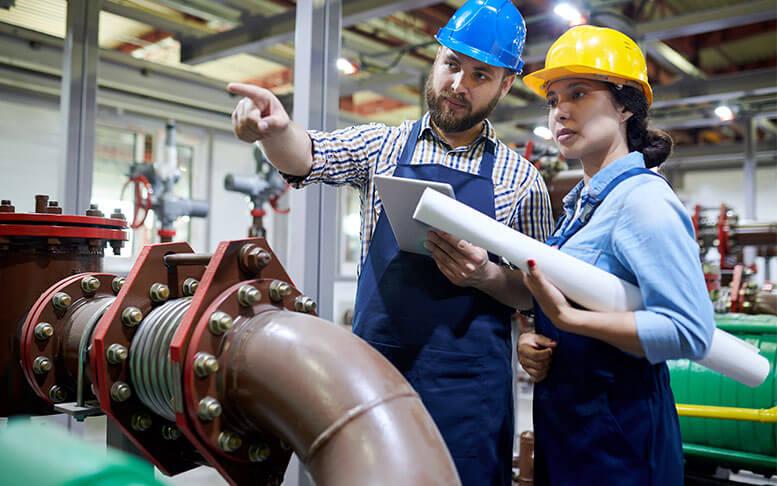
x=451, y=343
x=602, y=416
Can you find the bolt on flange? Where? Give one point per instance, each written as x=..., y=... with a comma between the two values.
x=57, y=394
x=248, y=295
x=258, y=452
x=43, y=331
x=41, y=365
x=279, y=290
x=253, y=258
x=90, y=284
x=141, y=422
x=117, y=283
x=189, y=286
x=220, y=322
x=61, y=301
x=304, y=304
x=116, y=354
x=159, y=292
x=170, y=432
x=205, y=364
x=209, y=408
x=120, y=391
x=131, y=316
x=229, y=441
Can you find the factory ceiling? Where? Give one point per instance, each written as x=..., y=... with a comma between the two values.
x=701, y=53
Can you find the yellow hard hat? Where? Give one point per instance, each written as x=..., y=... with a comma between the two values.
x=593, y=52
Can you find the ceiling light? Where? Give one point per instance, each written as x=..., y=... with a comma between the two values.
x=570, y=13
x=345, y=66
x=724, y=112
x=543, y=132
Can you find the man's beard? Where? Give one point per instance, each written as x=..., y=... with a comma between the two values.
x=444, y=119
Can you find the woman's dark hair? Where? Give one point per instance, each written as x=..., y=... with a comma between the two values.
x=655, y=145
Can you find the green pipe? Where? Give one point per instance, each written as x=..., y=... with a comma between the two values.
x=742, y=459
x=743, y=323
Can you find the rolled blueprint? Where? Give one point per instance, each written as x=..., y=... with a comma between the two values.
x=587, y=285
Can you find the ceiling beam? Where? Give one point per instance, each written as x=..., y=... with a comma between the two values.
x=700, y=22
x=684, y=92
x=176, y=27
x=258, y=32
x=672, y=60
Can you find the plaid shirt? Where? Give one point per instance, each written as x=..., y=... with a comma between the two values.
x=353, y=155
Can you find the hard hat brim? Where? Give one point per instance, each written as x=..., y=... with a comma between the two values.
x=538, y=81
x=474, y=53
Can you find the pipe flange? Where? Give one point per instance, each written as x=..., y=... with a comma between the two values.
x=227, y=297
x=149, y=285
x=45, y=331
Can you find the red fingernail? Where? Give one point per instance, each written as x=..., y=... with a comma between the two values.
x=531, y=263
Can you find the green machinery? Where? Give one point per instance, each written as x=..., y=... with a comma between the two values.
x=44, y=455
x=723, y=422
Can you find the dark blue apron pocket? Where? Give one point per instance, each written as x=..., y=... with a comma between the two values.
x=452, y=389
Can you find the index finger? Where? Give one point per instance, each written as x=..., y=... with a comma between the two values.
x=254, y=93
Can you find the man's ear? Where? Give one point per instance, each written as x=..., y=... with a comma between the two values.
x=507, y=83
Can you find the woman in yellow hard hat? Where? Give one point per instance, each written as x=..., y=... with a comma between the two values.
x=603, y=409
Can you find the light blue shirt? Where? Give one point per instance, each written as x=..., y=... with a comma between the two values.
x=643, y=234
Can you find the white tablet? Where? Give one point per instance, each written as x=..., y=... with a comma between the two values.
x=400, y=197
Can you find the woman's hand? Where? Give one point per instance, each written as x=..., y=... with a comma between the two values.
x=535, y=353
x=551, y=300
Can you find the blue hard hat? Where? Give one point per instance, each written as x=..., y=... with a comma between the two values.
x=491, y=31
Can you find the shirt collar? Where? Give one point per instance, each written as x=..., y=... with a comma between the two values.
x=426, y=127
x=600, y=180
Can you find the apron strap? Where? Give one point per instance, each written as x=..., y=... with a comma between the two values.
x=590, y=204
x=487, y=162
x=407, y=152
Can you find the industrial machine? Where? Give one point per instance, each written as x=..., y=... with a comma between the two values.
x=266, y=186
x=201, y=359
x=153, y=191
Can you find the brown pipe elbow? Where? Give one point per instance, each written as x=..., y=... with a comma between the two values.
x=344, y=409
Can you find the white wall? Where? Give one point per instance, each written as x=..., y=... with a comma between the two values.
x=31, y=150
x=711, y=188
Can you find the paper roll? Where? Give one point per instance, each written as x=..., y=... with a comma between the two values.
x=589, y=286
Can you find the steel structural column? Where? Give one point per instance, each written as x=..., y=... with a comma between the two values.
x=312, y=250
x=78, y=101
x=748, y=174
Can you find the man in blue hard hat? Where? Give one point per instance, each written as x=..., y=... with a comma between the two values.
x=444, y=322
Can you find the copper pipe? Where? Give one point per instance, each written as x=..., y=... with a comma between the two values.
x=346, y=412
x=526, y=459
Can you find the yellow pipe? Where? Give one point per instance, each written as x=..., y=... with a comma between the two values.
x=764, y=415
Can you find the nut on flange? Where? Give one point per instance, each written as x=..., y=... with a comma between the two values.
x=117, y=283
x=253, y=258
x=159, y=292
x=61, y=301
x=43, y=331
x=304, y=304
x=41, y=365
x=229, y=441
x=116, y=354
x=220, y=322
x=279, y=290
x=90, y=284
x=209, y=408
x=248, y=295
x=170, y=432
x=258, y=452
x=57, y=394
x=205, y=364
x=141, y=422
x=189, y=286
x=120, y=391
x=131, y=316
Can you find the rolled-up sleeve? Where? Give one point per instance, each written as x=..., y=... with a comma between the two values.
x=343, y=156
x=533, y=215
x=653, y=238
